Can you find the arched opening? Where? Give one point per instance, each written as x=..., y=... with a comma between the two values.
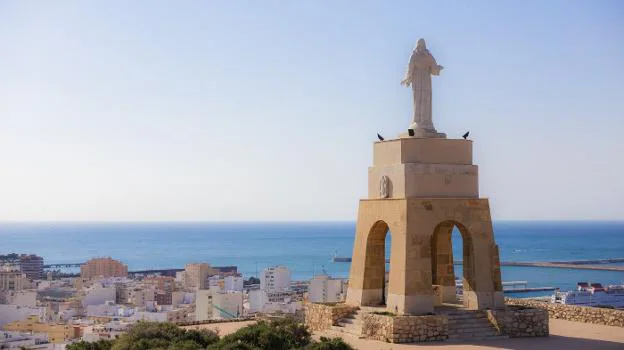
x=450, y=242
x=377, y=265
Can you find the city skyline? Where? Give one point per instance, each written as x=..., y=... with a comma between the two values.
x=267, y=112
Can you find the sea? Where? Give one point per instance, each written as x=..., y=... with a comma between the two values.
x=307, y=248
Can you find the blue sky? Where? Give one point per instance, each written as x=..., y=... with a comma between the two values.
x=267, y=110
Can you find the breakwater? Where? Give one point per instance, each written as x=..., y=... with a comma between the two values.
x=597, y=264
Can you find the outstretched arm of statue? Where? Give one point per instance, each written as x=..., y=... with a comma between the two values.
x=407, y=81
x=435, y=67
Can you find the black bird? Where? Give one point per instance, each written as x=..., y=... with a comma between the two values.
x=380, y=137
x=410, y=132
x=465, y=136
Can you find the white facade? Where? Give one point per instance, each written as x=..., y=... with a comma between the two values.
x=19, y=340
x=275, y=279
x=203, y=305
x=10, y=313
x=213, y=305
x=233, y=283
x=216, y=283
x=109, y=330
x=109, y=309
x=257, y=299
x=227, y=305
x=283, y=307
x=98, y=294
x=179, y=277
x=165, y=314
x=324, y=289
x=22, y=298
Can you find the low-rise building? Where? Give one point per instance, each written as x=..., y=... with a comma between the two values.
x=324, y=289
x=164, y=314
x=216, y=284
x=210, y=304
x=22, y=340
x=109, y=310
x=57, y=332
x=233, y=283
x=99, y=294
x=227, y=305
x=20, y=298
x=11, y=313
x=107, y=331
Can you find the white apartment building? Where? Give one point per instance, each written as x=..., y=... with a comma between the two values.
x=227, y=305
x=10, y=313
x=324, y=289
x=21, y=298
x=99, y=294
x=257, y=299
x=203, y=305
x=23, y=340
x=210, y=304
x=275, y=279
x=233, y=284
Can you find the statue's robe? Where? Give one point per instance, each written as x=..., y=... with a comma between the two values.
x=421, y=67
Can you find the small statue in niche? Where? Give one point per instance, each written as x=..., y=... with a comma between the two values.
x=384, y=187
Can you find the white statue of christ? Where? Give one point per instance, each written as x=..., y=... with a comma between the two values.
x=421, y=66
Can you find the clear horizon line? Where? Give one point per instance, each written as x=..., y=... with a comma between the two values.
x=266, y=221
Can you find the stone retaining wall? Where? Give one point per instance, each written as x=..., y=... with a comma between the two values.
x=517, y=321
x=404, y=329
x=323, y=316
x=609, y=317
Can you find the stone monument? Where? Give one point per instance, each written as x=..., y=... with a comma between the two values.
x=421, y=67
x=419, y=188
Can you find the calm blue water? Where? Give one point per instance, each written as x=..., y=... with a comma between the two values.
x=305, y=248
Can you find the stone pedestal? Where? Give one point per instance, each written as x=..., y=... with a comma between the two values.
x=419, y=189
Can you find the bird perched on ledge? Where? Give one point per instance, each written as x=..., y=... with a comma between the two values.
x=380, y=137
x=465, y=136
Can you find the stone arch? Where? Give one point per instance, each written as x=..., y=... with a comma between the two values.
x=442, y=260
x=375, y=263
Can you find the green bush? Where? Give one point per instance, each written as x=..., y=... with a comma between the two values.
x=283, y=334
x=329, y=344
x=384, y=313
x=98, y=345
x=153, y=335
x=276, y=335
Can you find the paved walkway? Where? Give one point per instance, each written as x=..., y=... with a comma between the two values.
x=564, y=335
